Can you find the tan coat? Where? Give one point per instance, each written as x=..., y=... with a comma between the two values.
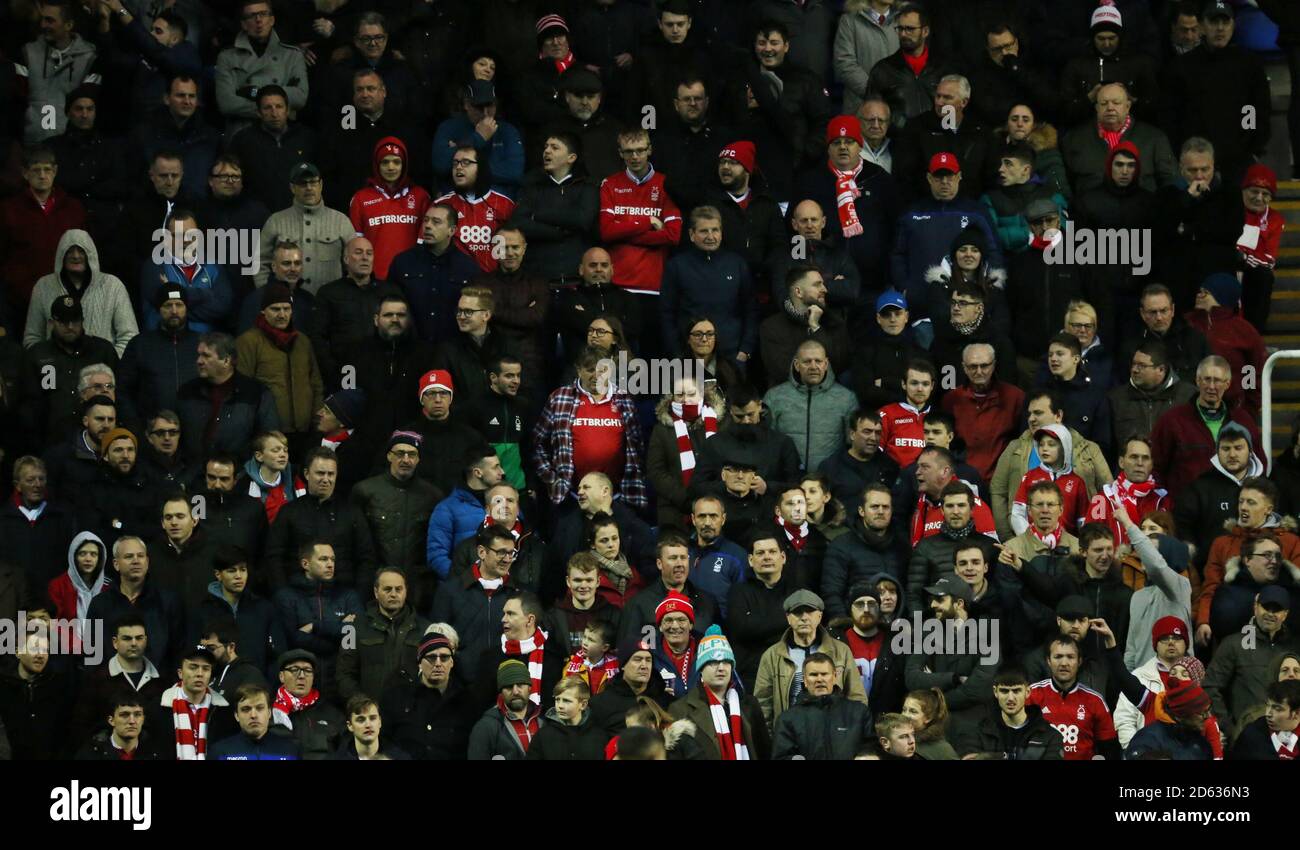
x=776, y=674
x=292, y=376
x=1028, y=546
x=1089, y=464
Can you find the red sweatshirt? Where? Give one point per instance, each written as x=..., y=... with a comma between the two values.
x=478, y=222
x=989, y=421
x=903, y=432
x=389, y=216
x=637, y=249
x=1232, y=337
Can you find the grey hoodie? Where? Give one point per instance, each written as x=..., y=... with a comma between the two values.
x=104, y=300
x=815, y=418
x=1168, y=593
x=51, y=75
x=86, y=592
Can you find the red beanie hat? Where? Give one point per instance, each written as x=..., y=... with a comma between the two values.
x=675, y=601
x=1184, y=699
x=1260, y=175
x=1167, y=626
x=844, y=125
x=741, y=152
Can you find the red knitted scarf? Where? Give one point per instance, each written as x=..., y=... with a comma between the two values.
x=683, y=415
x=532, y=647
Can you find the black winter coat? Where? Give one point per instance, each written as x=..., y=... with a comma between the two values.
x=853, y=558
x=164, y=620
x=573, y=308
x=788, y=129
x=1087, y=410
x=261, y=634
x=321, y=604
x=268, y=160
x=756, y=620
x=429, y=724
x=877, y=209
x=389, y=372
x=318, y=730
x=476, y=616
x=246, y=412
x=37, y=713
x=717, y=285
x=39, y=549
x=54, y=367
x=1038, y=293
x=616, y=699
x=1207, y=92
x=756, y=232
x=450, y=438
x=397, y=513
x=1050, y=579
x=688, y=157
x=925, y=136
x=334, y=520
x=558, y=741
x=238, y=520
x=100, y=748
x=115, y=505
x=1254, y=743
x=187, y=571
x=383, y=648
x=342, y=318
x=829, y=728
x=558, y=220
x=1037, y=740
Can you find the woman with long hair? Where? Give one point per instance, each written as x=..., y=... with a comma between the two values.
x=928, y=711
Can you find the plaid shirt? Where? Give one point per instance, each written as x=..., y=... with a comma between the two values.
x=553, y=439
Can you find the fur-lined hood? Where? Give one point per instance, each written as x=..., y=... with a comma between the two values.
x=1276, y=523
x=712, y=398
x=942, y=274
x=678, y=730
x=1233, y=568
x=1042, y=138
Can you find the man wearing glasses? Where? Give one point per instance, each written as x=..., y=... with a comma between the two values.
x=372, y=50
x=1185, y=346
x=315, y=723
x=907, y=79
x=474, y=602
x=1184, y=439
x=258, y=59
x=985, y=409
x=321, y=233
x=430, y=718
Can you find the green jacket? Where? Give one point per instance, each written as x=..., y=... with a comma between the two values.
x=379, y=648
x=292, y=376
x=1243, y=667
x=398, y=515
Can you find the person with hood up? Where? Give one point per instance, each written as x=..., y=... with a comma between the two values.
x=104, y=300
x=85, y=579
x=1230, y=335
x=1108, y=59
x=1055, y=464
x=1121, y=202
x=388, y=210
x=1211, y=500
x=810, y=407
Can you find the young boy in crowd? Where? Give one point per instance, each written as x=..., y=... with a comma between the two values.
x=1056, y=464
x=270, y=477
x=593, y=663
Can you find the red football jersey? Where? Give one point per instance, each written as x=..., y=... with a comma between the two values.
x=927, y=518
x=1073, y=490
x=478, y=221
x=390, y=221
x=902, y=432
x=1079, y=714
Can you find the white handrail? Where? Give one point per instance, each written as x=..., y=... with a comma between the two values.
x=1266, y=387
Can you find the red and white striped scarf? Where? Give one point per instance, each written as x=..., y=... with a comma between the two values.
x=337, y=438
x=532, y=647
x=491, y=585
x=1051, y=540
x=682, y=662
x=190, y=722
x=561, y=65
x=683, y=415
x=597, y=675
x=1131, y=493
x=796, y=534
x=846, y=192
x=286, y=704
x=1114, y=138
x=517, y=531
x=728, y=726
x=524, y=729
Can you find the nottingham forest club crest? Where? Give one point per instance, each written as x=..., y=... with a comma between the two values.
x=654, y=194
x=410, y=202
x=490, y=214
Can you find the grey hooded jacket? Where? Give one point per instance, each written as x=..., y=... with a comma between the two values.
x=104, y=300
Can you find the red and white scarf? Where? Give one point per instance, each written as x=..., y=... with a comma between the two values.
x=491, y=585
x=517, y=531
x=1285, y=745
x=1113, y=138
x=728, y=726
x=30, y=514
x=682, y=663
x=683, y=415
x=190, y=722
x=532, y=647
x=597, y=675
x=336, y=439
x=1130, y=493
x=796, y=534
x=1051, y=540
x=561, y=65
x=524, y=729
x=286, y=704
x=846, y=192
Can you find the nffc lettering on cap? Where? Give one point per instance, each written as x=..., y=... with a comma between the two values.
x=944, y=163
x=438, y=379
x=742, y=152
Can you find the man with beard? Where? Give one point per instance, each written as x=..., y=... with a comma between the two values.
x=717, y=563
x=480, y=210
x=388, y=365
x=506, y=730
x=581, y=116
x=1073, y=619
x=231, y=517
x=54, y=366
x=872, y=546
x=965, y=677
x=430, y=716
x=158, y=361
x=1210, y=501
x=751, y=218
x=862, y=463
x=869, y=639
x=441, y=434
x=121, y=500
x=804, y=316
x=907, y=79
x=74, y=463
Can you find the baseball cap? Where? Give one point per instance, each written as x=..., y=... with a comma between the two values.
x=436, y=379
x=803, y=599
x=1218, y=9
x=945, y=162
x=952, y=586
x=302, y=172
x=199, y=652
x=1276, y=597
x=481, y=92
x=66, y=309
x=580, y=81
x=1073, y=608
x=891, y=298
x=1041, y=208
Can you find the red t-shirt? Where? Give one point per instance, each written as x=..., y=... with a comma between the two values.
x=902, y=434
x=1080, y=715
x=865, y=652
x=597, y=438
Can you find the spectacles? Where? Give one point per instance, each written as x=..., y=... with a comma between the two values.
x=960, y=304
x=165, y=432
x=438, y=657
x=371, y=39
x=462, y=162
x=504, y=554
x=298, y=672
x=406, y=455
x=899, y=28
x=1082, y=326
x=228, y=178
x=255, y=16
x=603, y=332
x=1137, y=365
x=1268, y=556
x=102, y=386
x=703, y=334
x=463, y=313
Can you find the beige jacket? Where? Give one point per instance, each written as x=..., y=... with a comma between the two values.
x=1028, y=546
x=320, y=232
x=1089, y=464
x=776, y=674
